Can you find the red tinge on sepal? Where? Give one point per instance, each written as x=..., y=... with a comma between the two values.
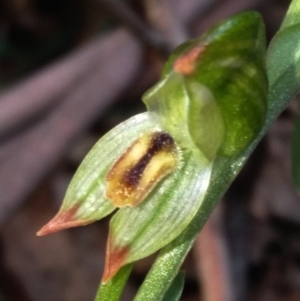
x=186, y=63
x=115, y=259
x=62, y=220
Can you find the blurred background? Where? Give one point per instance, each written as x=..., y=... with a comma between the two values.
x=69, y=71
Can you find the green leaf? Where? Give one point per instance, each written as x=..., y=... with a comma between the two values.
x=175, y=290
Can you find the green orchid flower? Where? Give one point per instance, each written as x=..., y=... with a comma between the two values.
x=155, y=168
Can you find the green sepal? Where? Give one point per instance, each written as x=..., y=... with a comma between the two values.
x=231, y=66
x=88, y=185
x=136, y=232
x=177, y=104
x=85, y=200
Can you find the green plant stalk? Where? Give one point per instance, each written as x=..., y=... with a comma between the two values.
x=284, y=79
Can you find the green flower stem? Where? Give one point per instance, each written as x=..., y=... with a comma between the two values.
x=112, y=290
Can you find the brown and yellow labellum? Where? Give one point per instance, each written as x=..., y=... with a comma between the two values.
x=144, y=164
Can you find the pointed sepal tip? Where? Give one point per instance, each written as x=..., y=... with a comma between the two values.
x=115, y=259
x=62, y=220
